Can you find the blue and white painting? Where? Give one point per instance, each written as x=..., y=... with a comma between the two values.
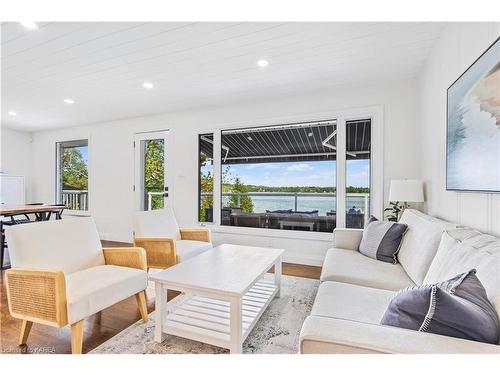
x=473, y=126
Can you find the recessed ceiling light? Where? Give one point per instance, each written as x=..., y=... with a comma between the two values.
x=69, y=101
x=12, y=113
x=29, y=25
x=148, y=85
x=309, y=134
x=262, y=63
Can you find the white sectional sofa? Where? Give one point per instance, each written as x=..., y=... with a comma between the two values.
x=355, y=290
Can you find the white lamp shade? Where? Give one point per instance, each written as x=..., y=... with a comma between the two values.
x=406, y=191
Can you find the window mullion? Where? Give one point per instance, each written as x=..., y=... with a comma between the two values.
x=217, y=178
x=341, y=172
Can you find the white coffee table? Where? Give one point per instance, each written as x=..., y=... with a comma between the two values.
x=226, y=294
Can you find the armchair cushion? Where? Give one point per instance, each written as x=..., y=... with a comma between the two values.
x=187, y=249
x=94, y=289
x=156, y=223
x=68, y=245
x=352, y=267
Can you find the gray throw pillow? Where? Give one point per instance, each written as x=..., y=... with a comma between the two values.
x=382, y=239
x=458, y=307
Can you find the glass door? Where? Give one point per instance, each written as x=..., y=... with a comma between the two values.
x=151, y=172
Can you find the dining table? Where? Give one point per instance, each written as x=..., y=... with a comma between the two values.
x=41, y=212
x=10, y=214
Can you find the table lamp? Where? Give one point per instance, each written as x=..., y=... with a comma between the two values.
x=406, y=191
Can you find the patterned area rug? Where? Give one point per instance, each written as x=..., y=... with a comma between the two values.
x=277, y=331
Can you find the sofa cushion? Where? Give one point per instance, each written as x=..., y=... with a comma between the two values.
x=187, y=248
x=341, y=336
x=382, y=239
x=68, y=245
x=420, y=242
x=353, y=302
x=349, y=266
x=463, y=249
x=457, y=307
x=92, y=290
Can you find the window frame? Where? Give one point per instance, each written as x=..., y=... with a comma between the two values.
x=208, y=132
x=374, y=113
x=58, y=187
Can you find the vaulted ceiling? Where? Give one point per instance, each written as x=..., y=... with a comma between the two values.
x=102, y=66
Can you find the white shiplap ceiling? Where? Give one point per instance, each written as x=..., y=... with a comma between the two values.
x=102, y=66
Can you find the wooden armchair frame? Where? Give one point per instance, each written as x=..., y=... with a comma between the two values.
x=161, y=252
x=39, y=296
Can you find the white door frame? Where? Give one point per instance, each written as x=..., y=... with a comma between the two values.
x=139, y=165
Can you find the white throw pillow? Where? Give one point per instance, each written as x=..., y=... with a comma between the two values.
x=462, y=249
x=420, y=242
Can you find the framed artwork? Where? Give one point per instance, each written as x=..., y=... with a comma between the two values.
x=473, y=126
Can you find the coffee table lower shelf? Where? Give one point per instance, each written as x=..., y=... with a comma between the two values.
x=209, y=320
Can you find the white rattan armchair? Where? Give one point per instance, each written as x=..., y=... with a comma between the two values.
x=165, y=243
x=60, y=275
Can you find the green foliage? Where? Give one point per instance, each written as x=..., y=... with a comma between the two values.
x=354, y=189
x=74, y=169
x=242, y=201
x=206, y=186
x=154, y=170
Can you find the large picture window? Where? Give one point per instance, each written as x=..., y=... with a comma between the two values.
x=72, y=180
x=280, y=177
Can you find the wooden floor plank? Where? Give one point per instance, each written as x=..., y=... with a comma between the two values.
x=97, y=328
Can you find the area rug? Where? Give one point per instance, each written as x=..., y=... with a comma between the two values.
x=277, y=331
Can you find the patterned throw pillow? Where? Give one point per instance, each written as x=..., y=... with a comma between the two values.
x=458, y=307
x=382, y=239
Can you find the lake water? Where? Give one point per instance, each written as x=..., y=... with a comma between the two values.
x=322, y=204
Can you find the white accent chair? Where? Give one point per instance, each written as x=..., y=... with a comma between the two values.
x=165, y=243
x=61, y=275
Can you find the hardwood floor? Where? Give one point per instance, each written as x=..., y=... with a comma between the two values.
x=99, y=327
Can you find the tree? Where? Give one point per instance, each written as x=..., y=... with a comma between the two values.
x=154, y=170
x=241, y=201
x=206, y=201
x=74, y=170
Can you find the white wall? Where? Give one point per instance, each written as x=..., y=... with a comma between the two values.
x=16, y=156
x=111, y=156
x=460, y=45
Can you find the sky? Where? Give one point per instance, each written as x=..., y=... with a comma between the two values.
x=85, y=153
x=317, y=173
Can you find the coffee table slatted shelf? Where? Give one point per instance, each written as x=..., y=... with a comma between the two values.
x=208, y=318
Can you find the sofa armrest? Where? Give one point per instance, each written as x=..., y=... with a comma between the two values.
x=195, y=234
x=345, y=238
x=160, y=251
x=37, y=296
x=321, y=335
x=134, y=257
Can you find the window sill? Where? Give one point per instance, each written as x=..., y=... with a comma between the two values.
x=272, y=233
